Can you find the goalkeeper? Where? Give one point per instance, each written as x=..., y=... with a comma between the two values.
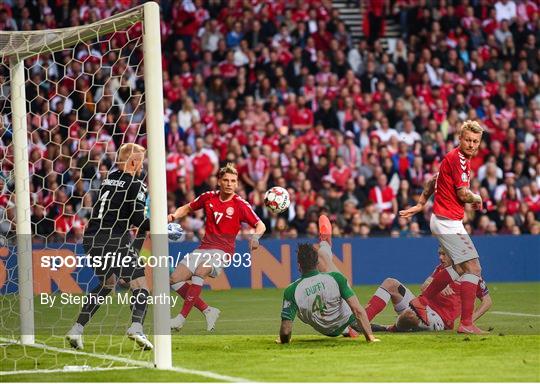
x=107, y=241
x=323, y=300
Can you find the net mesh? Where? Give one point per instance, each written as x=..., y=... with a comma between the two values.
x=84, y=98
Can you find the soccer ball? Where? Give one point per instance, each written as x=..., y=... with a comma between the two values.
x=175, y=232
x=277, y=199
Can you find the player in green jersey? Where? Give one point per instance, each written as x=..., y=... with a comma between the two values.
x=323, y=300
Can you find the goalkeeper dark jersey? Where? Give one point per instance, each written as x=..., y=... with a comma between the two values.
x=121, y=204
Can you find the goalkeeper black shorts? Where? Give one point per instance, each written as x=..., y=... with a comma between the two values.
x=113, y=257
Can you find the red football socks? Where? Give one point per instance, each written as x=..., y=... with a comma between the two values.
x=200, y=304
x=192, y=298
x=377, y=303
x=469, y=285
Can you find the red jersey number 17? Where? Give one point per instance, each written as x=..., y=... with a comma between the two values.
x=218, y=216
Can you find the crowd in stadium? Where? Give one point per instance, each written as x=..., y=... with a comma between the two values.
x=278, y=88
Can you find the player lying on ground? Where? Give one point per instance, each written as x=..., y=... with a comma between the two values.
x=120, y=206
x=451, y=189
x=323, y=300
x=225, y=212
x=443, y=309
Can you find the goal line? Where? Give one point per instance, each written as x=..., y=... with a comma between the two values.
x=61, y=370
x=125, y=360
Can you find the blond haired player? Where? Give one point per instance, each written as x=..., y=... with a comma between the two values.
x=225, y=212
x=451, y=188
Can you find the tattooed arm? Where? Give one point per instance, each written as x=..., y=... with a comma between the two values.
x=467, y=196
x=429, y=188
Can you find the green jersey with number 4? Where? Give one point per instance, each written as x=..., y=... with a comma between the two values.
x=319, y=300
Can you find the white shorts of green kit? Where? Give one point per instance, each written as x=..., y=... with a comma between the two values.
x=453, y=238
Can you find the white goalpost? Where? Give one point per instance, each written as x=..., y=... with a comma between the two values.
x=15, y=48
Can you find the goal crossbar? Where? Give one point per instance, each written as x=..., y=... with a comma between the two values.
x=21, y=45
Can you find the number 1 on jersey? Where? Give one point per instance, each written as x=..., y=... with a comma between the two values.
x=103, y=200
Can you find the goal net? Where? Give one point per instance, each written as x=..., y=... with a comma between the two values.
x=69, y=98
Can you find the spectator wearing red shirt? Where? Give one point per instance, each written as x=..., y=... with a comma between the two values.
x=255, y=168
x=227, y=68
x=375, y=13
x=340, y=172
x=403, y=160
x=204, y=164
x=67, y=222
x=306, y=196
x=177, y=165
x=511, y=200
x=383, y=196
x=301, y=116
x=185, y=22
x=532, y=197
x=271, y=137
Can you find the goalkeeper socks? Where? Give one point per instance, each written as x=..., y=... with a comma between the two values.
x=182, y=289
x=469, y=285
x=377, y=303
x=94, y=299
x=192, y=294
x=140, y=303
x=440, y=281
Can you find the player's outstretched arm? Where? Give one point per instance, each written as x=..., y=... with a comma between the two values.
x=361, y=318
x=486, y=303
x=285, y=332
x=260, y=229
x=181, y=212
x=429, y=189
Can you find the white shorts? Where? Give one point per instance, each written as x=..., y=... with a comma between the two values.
x=434, y=320
x=213, y=258
x=453, y=238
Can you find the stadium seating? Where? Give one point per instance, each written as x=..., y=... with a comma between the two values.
x=278, y=88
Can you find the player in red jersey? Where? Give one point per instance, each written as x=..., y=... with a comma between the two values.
x=452, y=192
x=225, y=211
x=442, y=310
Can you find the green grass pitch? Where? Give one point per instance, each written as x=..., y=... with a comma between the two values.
x=242, y=347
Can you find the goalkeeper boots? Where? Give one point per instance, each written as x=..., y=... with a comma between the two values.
x=74, y=336
x=211, y=314
x=135, y=333
x=178, y=322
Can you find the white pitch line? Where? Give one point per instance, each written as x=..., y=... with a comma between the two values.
x=138, y=363
x=89, y=369
x=514, y=314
